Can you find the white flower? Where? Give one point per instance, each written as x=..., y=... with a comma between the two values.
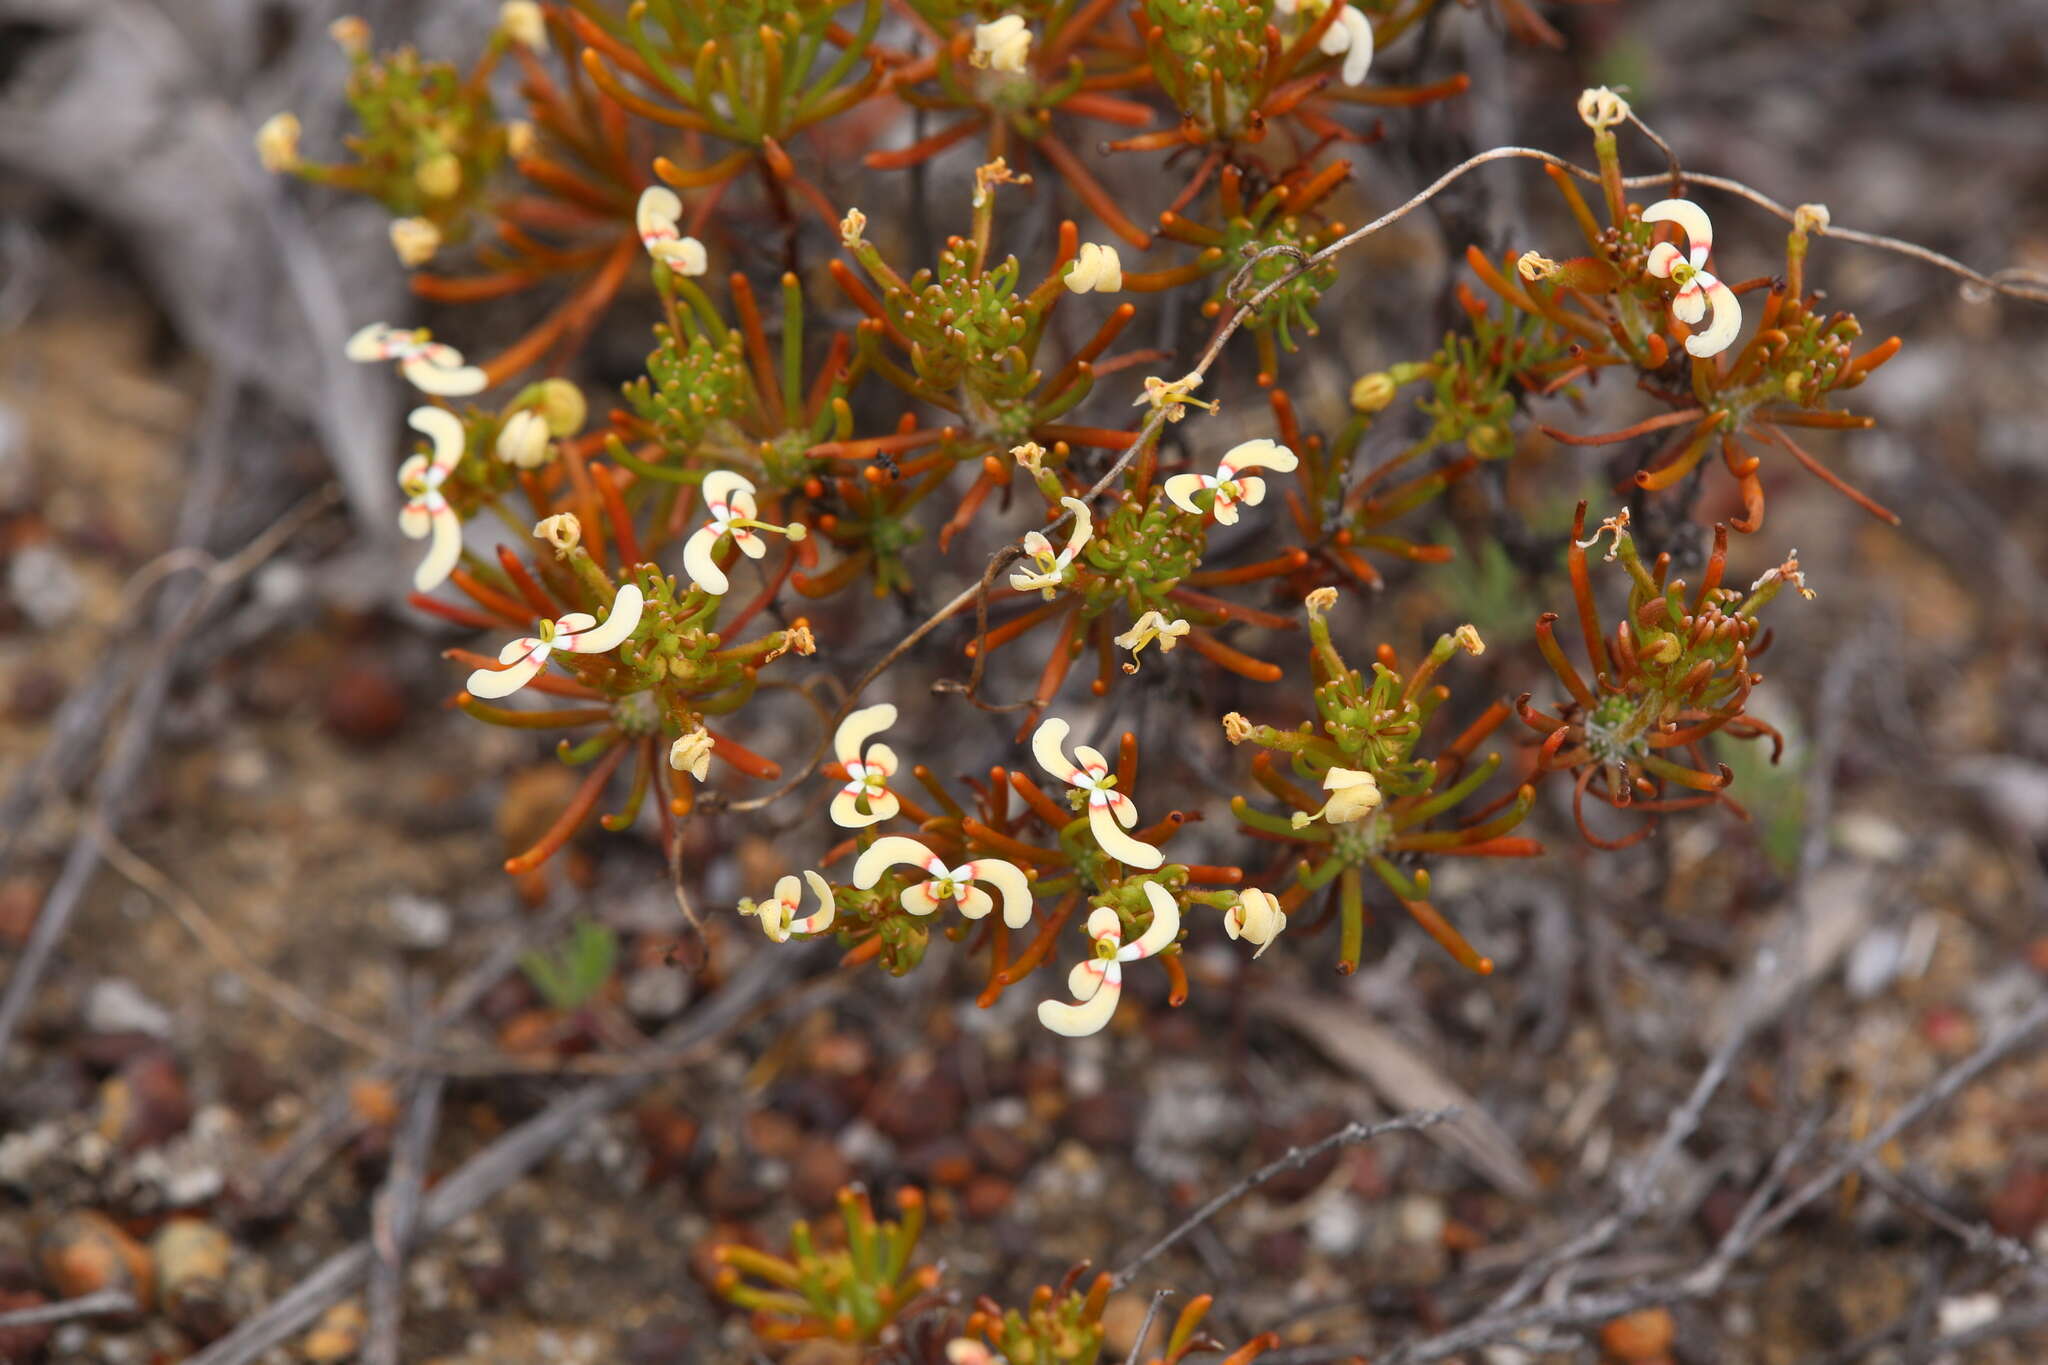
x=430, y=366
x=1353, y=796
x=1096, y=982
x=657, y=218
x=1255, y=918
x=523, y=440
x=868, y=768
x=1601, y=108
x=426, y=509
x=1351, y=35
x=414, y=240
x=1108, y=808
x=1697, y=288
x=1052, y=569
x=277, y=142
x=562, y=531
x=578, y=632
x=1001, y=45
x=1146, y=629
x=691, y=753
x=1232, y=487
x=729, y=498
x=778, y=916
x=522, y=22
x=1096, y=268
x=956, y=884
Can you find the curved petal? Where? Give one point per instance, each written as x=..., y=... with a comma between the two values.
x=749, y=543
x=720, y=485
x=920, y=899
x=1084, y=528
x=372, y=342
x=883, y=805
x=880, y=758
x=1264, y=453
x=1009, y=879
x=819, y=920
x=624, y=617
x=1690, y=305
x=1358, y=57
x=1691, y=219
x=887, y=852
x=519, y=649
x=1165, y=926
x=443, y=381
x=1078, y=1021
x=1225, y=508
x=1048, y=746
x=443, y=554
x=492, y=683
x=1181, y=490
x=975, y=902
x=775, y=914
x=658, y=209
x=575, y=622
x=1720, y=334
x=699, y=565
x=846, y=812
x=1090, y=759
x=444, y=429
x=1663, y=257
x=1251, y=490
x=1087, y=977
x=415, y=519
x=1104, y=922
x=1119, y=845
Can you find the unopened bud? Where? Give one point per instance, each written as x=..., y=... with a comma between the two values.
x=277, y=142
x=415, y=240
x=1373, y=392
x=439, y=176
x=564, y=406
x=523, y=440
x=522, y=22
x=350, y=34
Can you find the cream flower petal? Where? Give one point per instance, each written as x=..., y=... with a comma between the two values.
x=1119, y=845
x=624, y=618
x=1087, y=975
x=845, y=811
x=1720, y=333
x=886, y=852
x=1009, y=879
x=775, y=915
x=429, y=375
x=1078, y=1021
x=444, y=429
x=920, y=899
x=575, y=623
x=882, y=805
x=819, y=920
x=1263, y=453
x=376, y=341
x=1048, y=746
x=1165, y=926
x=1251, y=490
x=1181, y=490
x=656, y=215
x=749, y=543
x=974, y=902
x=1692, y=220
x=415, y=520
x=1359, y=50
x=727, y=486
x=685, y=255
x=1663, y=256
x=699, y=565
x=1691, y=304
x=492, y=683
x=1225, y=508
x=445, y=552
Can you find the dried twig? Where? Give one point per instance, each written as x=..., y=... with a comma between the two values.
x=395, y=1217
x=102, y=1303
x=1350, y=1135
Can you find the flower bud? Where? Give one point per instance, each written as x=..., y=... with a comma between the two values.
x=563, y=404
x=277, y=142
x=415, y=240
x=1001, y=45
x=1467, y=639
x=523, y=440
x=351, y=35
x=439, y=176
x=522, y=22
x=520, y=139
x=1372, y=393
